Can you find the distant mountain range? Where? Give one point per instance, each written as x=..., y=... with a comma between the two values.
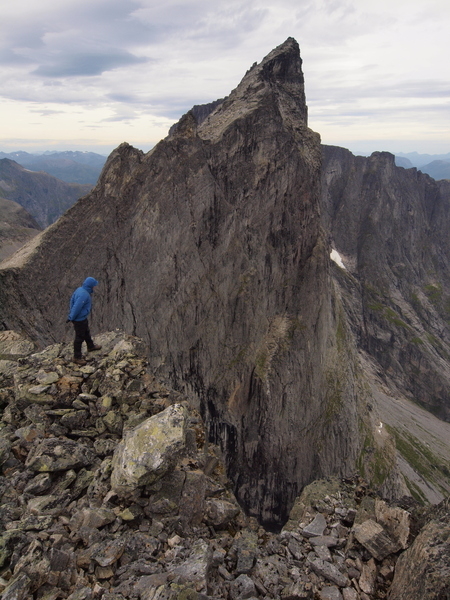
x=435, y=165
x=69, y=166
x=43, y=196
x=17, y=227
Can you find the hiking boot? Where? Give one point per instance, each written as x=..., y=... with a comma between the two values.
x=94, y=348
x=79, y=361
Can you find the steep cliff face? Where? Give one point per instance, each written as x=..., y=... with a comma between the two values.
x=390, y=226
x=210, y=248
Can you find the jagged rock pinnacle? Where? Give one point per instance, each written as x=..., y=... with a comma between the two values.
x=280, y=76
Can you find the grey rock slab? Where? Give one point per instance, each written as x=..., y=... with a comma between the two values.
x=374, y=538
x=324, y=540
x=92, y=517
x=247, y=549
x=108, y=552
x=242, y=588
x=330, y=592
x=64, y=481
x=149, y=451
x=5, y=448
x=219, y=512
x=368, y=577
x=195, y=569
x=13, y=343
x=328, y=571
x=49, y=504
x=29, y=433
x=18, y=588
x=323, y=553
x=192, y=504
x=38, y=389
x=146, y=586
x=296, y=549
x=316, y=527
x=59, y=559
x=224, y=573
x=81, y=593
x=9, y=540
x=113, y=422
x=296, y=591
x=74, y=419
x=35, y=522
x=395, y=521
x=47, y=378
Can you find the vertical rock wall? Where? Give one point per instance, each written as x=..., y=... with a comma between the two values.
x=390, y=225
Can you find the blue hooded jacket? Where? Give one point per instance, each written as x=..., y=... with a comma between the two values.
x=80, y=303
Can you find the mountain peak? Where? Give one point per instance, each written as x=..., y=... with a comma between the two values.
x=279, y=76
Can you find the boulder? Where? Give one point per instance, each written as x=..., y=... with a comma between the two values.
x=316, y=527
x=374, y=538
x=242, y=587
x=395, y=521
x=219, y=512
x=150, y=450
x=195, y=569
x=330, y=592
x=328, y=570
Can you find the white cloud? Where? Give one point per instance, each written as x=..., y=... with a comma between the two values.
x=373, y=71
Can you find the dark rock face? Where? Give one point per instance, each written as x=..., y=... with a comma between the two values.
x=42, y=195
x=390, y=226
x=210, y=248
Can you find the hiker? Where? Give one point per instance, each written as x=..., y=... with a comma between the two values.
x=80, y=307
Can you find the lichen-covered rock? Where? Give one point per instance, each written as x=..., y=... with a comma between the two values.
x=220, y=512
x=91, y=517
x=147, y=452
x=195, y=569
x=55, y=454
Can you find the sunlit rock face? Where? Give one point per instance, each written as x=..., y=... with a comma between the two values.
x=210, y=248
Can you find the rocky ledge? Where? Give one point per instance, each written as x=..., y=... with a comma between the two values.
x=110, y=490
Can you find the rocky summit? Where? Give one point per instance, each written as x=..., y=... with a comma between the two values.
x=110, y=489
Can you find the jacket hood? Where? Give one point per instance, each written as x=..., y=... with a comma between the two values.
x=89, y=283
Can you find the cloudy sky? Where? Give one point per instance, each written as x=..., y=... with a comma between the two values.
x=90, y=74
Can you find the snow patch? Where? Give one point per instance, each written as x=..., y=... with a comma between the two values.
x=337, y=258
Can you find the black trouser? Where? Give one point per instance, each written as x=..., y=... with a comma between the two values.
x=82, y=334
